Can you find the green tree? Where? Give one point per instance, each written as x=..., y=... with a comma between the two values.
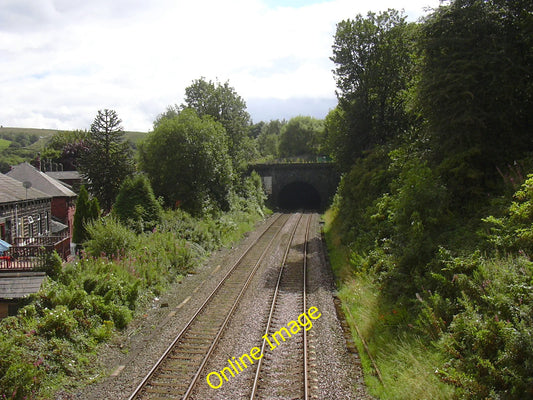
x=222, y=102
x=301, y=137
x=374, y=69
x=476, y=89
x=107, y=159
x=186, y=159
x=268, y=138
x=86, y=210
x=136, y=204
x=66, y=147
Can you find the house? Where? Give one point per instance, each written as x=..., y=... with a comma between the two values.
x=63, y=199
x=71, y=178
x=14, y=287
x=25, y=212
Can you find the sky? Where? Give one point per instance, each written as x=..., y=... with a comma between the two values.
x=63, y=60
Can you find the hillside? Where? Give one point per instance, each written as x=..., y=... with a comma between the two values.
x=21, y=144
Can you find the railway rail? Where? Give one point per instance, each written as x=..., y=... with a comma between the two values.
x=177, y=371
x=284, y=373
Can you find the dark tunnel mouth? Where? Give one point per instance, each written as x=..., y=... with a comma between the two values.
x=298, y=196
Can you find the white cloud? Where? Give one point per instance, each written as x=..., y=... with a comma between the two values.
x=62, y=60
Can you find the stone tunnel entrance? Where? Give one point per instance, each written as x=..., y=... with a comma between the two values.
x=299, y=195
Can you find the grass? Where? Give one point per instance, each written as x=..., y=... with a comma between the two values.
x=46, y=134
x=407, y=363
x=4, y=144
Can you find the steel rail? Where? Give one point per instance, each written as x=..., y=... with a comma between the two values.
x=204, y=304
x=306, y=377
x=272, y=309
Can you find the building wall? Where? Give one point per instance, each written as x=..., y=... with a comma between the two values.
x=33, y=218
x=3, y=309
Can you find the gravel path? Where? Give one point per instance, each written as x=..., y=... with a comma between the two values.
x=335, y=372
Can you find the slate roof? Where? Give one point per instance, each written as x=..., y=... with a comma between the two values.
x=40, y=180
x=15, y=285
x=11, y=190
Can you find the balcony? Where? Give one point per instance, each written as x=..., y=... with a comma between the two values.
x=28, y=254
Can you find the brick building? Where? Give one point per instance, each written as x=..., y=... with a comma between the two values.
x=24, y=212
x=63, y=199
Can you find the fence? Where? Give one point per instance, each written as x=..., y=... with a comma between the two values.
x=30, y=253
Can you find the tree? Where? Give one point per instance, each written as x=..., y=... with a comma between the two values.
x=268, y=138
x=136, y=204
x=186, y=159
x=86, y=211
x=107, y=159
x=66, y=147
x=476, y=89
x=374, y=69
x=301, y=137
x=222, y=102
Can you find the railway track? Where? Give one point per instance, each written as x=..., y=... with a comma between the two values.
x=283, y=371
x=177, y=371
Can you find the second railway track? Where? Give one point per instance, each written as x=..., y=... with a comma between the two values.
x=283, y=371
x=176, y=372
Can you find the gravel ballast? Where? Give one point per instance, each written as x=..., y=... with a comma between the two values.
x=335, y=372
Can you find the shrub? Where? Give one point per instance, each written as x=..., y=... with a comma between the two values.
x=52, y=265
x=57, y=322
x=136, y=205
x=108, y=237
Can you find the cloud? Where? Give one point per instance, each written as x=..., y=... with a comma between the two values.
x=137, y=56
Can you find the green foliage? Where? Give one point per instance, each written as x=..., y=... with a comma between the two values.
x=107, y=159
x=374, y=70
x=108, y=237
x=51, y=343
x=368, y=179
x=413, y=213
x=489, y=308
x=514, y=232
x=136, y=205
x=268, y=139
x=53, y=265
x=301, y=137
x=444, y=105
x=82, y=204
x=86, y=211
x=474, y=91
x=222, y=102
x=186, y=159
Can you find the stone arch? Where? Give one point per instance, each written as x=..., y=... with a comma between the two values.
x=299, y=195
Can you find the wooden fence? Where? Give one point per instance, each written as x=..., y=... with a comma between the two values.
x=30, y=253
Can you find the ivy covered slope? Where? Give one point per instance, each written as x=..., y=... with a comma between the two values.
x=431, y=232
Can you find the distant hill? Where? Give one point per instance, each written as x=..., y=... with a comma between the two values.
x=22, y=144
x=46, y=134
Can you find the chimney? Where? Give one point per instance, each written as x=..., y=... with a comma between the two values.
x=37, y=161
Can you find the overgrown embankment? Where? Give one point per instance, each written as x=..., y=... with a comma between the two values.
x=52, y=343
x=445, y=303
x=431, y=231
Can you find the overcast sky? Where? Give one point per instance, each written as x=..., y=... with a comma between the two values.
x=62, y=60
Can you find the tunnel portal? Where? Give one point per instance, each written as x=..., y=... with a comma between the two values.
x=299, y=195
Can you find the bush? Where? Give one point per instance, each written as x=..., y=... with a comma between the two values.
x=108, y=237
x=489, y=339
x=136, y=205
x=52, y=265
